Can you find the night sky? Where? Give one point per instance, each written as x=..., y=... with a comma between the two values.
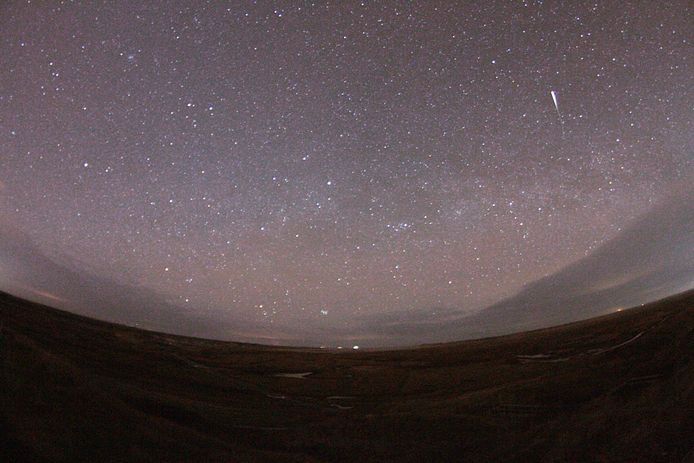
x=285, y=171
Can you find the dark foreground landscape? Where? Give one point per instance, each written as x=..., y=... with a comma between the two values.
x=615, y=388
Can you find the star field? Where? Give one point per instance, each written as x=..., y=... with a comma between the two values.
x=298, y=166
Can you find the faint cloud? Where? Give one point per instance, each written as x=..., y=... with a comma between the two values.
x=48, y=295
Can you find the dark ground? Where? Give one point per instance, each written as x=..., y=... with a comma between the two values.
x=615, y=388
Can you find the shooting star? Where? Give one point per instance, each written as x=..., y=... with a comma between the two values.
x=556, y=106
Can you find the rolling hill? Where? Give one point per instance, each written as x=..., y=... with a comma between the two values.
x=615, y=388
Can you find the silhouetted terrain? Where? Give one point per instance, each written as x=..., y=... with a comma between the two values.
x=615, y=388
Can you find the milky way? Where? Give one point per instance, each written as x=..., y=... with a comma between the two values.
x=297, y=167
